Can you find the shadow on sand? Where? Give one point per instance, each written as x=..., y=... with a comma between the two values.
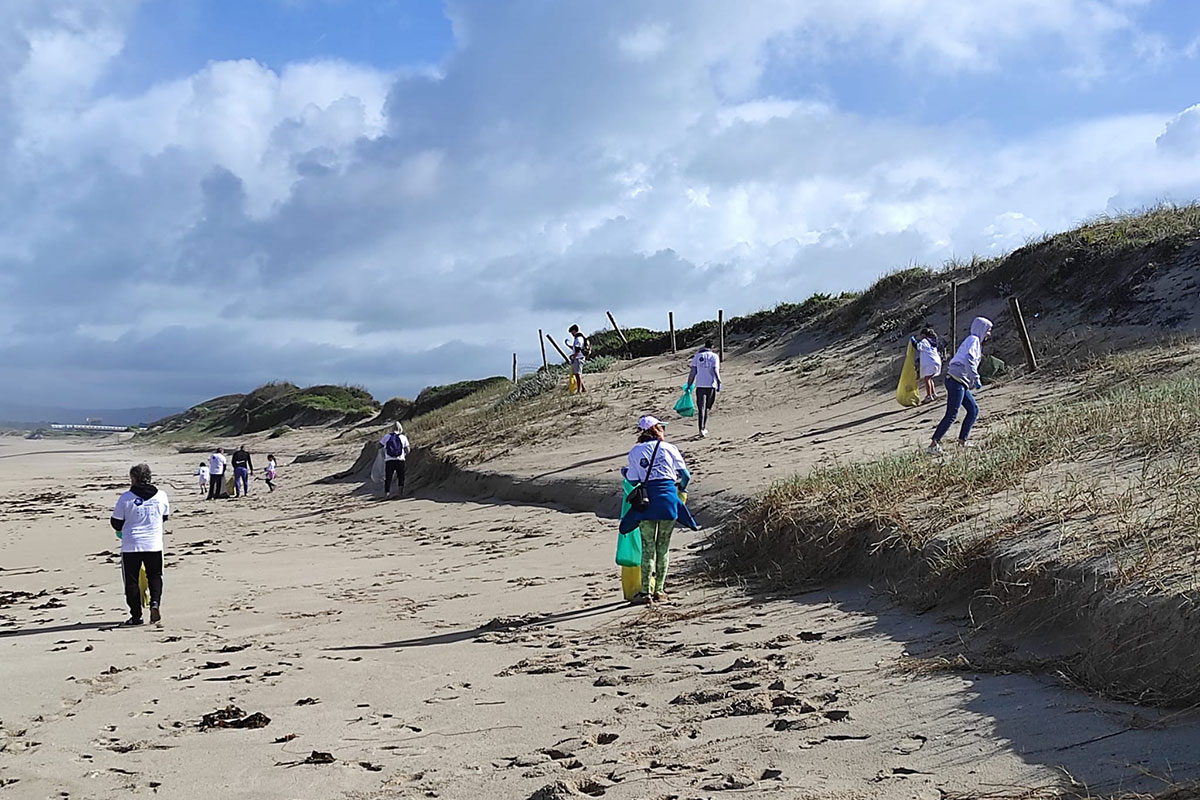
x=461, y=636
x=74, y=626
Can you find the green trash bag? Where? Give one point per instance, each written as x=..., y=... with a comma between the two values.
x=686, y=406
x=991, y=368
x=629, y=548
x=629, y=545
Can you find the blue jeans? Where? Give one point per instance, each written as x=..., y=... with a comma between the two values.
x=957, y=395
x=241, y=480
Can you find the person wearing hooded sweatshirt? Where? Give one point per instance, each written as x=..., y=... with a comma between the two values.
x=660, y=467
x=930, y=362
x=962, y=375
x=138, y=519
x=395, y=447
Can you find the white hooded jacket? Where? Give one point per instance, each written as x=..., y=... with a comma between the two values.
x=964, y=367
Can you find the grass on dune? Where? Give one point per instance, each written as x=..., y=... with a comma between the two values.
x=1116, y=473
x=502, y=415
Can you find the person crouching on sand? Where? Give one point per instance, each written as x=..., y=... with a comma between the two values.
x=659, y=466
x=962, y=375
x=930, y=359
x=138, y=519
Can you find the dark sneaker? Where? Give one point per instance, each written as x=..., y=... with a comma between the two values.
x=640, y=599
x=131, y=622
x=155, y=615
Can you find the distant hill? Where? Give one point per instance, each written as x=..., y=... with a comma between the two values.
x=272, y=405
x=28, y=416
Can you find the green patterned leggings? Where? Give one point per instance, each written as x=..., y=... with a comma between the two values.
x=656, y=541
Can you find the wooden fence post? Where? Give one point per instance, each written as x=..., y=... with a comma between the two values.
x=617, y=329
x=559, y=349
x=542, y=342
x=1014, y=306
x=721, y=331
x=953, y=315
x=514, y=367
x=671, y=322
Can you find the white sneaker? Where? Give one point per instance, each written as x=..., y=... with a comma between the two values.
x=704, y=433
x=934, y=449
x=965, y=445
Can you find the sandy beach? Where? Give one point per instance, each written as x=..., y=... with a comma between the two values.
x=443, y=647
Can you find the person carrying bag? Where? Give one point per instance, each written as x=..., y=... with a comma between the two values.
x=658, y=473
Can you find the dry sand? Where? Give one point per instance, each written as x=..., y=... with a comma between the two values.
x=460, y=649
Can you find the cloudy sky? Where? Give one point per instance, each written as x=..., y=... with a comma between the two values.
x=197, y=196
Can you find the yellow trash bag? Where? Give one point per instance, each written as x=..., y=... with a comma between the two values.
x=907, y=392
x=573, y=384
x=631, y=581
x=144, y=585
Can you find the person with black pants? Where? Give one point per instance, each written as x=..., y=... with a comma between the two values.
x=395, y=447
x=705, y=375
x=216, y=474
x=138, y=520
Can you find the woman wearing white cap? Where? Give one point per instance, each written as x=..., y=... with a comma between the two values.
x=658, y=466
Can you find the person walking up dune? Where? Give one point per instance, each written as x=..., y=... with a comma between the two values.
x=962, y=375
x=656, y=465
x=138, y=519
x=395, y=446
x=705, y=376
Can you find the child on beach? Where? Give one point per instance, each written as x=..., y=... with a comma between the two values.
x=203, y=475
x=930, y=362
x=271, y=473
x=962, y=375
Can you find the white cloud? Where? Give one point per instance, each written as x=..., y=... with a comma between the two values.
x=554, y=162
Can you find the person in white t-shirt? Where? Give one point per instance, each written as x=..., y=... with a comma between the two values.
x=579, y=347
x=657, y=466
x=202, y=474
x=395, y=447
x=705, y=375
x=138, y=520
x=216, y=474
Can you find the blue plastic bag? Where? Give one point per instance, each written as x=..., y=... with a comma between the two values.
x=686, y=406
